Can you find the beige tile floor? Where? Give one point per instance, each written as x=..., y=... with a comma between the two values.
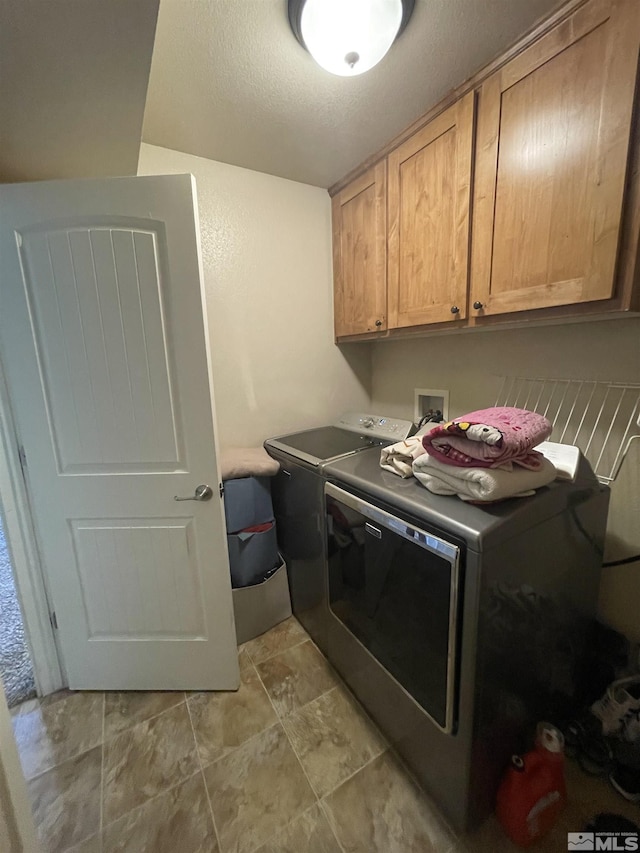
x=287, y=764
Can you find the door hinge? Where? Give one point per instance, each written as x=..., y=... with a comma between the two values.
x=221, y=487
x=54, y=620
x=22, y=454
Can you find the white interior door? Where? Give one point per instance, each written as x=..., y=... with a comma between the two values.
x=105, y=348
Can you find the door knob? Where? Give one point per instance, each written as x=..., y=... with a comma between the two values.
x=378, y=322
x=478, y=305
x=455, y=309
x=202, y=493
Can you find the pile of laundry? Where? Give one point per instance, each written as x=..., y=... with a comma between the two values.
x=481, y=457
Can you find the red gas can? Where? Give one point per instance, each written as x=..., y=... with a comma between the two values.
x=533, y=791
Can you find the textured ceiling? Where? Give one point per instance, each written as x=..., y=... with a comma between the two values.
x=73, y=83
x=230, y=82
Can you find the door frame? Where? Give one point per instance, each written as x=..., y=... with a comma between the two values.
x=17, y=521
x=16, y=820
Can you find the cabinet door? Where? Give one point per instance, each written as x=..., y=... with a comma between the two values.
x=359, y=215
x=551, y=155
x=429, y=189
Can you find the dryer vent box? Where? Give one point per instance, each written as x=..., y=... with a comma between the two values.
x=429, y=401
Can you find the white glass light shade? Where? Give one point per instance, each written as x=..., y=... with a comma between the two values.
x=348, y=37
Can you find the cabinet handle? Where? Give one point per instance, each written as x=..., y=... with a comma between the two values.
x=478, y=305
x=378, y=322
x=455, y=309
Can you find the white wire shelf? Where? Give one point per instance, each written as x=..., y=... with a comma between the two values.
x=601, y=418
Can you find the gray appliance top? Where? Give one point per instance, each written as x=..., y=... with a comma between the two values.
x=353, y=432
x=482, y=527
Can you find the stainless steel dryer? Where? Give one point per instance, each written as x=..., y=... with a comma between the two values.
x=458, y=626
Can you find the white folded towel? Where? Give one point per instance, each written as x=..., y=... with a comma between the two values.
x=398, y=458
x=480, y=484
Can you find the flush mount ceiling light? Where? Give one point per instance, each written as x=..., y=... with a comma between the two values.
x=348, y=37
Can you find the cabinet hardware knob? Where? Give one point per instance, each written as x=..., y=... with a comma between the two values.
x=378, y=322
x=455, y=309
x=478, y=305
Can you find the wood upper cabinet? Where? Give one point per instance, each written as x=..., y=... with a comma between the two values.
x=359, y=214
x=523, y=194
x=428, y=206
x=551, y=158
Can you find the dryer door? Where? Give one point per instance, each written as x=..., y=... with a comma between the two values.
x=395, y=587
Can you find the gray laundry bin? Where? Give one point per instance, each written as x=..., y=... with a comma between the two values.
x=261, y=606
x=258, y=574
x=247, y=502
x=252, y=555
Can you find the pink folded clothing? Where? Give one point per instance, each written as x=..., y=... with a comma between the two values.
x=490, y=438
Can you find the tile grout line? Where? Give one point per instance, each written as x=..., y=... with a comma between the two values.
x=388, y=748
x=99, y=833
x=281, y=651
x=249, y=739
x=425, y=795
x=271, y=838
x=171, y=787
x=355, y=773
x=318, y=801
x=234, y=749
x=325, y=807
x=244, y=649
x=151, y=800
x=104, y=741
x=339, y=684
x=282, y=718
x=286, y=734
x=353, y=699
x=57, y=764
x=147, y=719
x=104, y=713
x=202, y=776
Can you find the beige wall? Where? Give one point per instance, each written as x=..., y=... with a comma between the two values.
x=73, y=86
x=266, y=245
x=267, y=260
x=469, y=366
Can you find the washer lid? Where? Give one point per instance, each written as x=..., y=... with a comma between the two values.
x=321, y=444
x=354, y=431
